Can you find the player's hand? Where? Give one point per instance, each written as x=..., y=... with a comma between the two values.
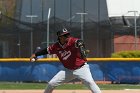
x=33, y=58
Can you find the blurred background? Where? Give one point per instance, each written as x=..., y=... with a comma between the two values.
x=105, y=26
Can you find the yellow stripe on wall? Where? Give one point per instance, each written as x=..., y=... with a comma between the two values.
x=56, y=59
x=26, y=59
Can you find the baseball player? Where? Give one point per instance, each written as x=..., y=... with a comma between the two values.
x=72, y=54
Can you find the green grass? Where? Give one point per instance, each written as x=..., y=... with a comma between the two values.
x=119, y=86
x=12, y=85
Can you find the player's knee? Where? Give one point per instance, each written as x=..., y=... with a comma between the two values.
x=89, y=82
x=52, y=84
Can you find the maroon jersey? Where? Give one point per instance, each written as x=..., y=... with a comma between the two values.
x=68, y=53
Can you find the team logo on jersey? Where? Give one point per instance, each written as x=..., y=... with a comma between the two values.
x=65, y=54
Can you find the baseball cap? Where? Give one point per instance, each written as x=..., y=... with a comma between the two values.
x=62, y=32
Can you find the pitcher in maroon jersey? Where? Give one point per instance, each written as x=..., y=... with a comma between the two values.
x=72, y=54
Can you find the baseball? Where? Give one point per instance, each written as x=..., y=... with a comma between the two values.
x=33, y=59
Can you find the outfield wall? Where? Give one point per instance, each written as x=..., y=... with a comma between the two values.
x=103, y=69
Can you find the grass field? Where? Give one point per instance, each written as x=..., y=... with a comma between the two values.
x=25, y=86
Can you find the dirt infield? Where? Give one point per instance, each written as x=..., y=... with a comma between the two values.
x=71, y=91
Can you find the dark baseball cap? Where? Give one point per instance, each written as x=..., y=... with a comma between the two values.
x=62, y=32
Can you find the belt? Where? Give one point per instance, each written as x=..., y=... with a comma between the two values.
x=81, y=65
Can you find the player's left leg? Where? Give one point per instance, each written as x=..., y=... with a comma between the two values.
x=85, y=76
x=61, y=77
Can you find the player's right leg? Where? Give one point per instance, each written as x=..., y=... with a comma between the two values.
x=84, y=74
x=61, y=77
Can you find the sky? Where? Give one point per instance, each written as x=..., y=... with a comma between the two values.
x=121, y=7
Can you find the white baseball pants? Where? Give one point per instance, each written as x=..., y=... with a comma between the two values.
x=66, y=75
